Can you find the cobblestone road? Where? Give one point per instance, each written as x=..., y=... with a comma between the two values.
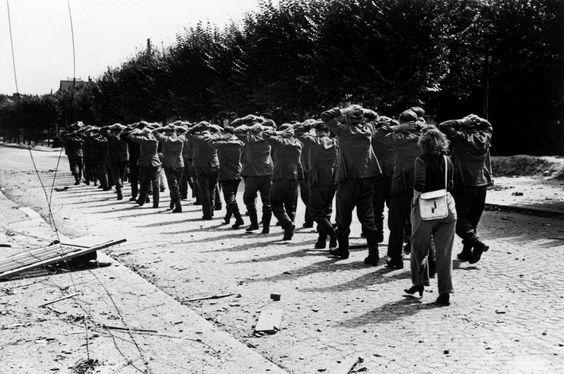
x=506, y=314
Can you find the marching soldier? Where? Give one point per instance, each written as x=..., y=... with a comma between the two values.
x=322, y=178
x=206, y=165
x=118, y=156
x=73, y=149
x=173, y=162
x=287, y=171
x=257, y=168
x=405, y=136
x=148, y=162
x=356, y=175
x=471, y=140
x=229, y=150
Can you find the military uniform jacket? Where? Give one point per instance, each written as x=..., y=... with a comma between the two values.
x=187, y=151
x=229, y=152
x=324, y=159
x=357, y=158
x=73, y=145
x=117, y=149
x=99, y=149
x=132, y=149
x=205, y=155
x=470, y=153
x=172, y=149
x=257, y=160
x=148, y=146
x=384, y=148
x=407, y=151
x=286, y=154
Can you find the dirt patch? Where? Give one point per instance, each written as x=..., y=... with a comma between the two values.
x=523, y=165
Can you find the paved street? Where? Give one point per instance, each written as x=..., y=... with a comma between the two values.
x=506, y=313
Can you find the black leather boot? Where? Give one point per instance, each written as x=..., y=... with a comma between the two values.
x=479, y=247
x=321, y=241
x=177, y=206
x=266, y=217
x=373, y=255
x=343, y=250
x=254, y=220
x=238, y=219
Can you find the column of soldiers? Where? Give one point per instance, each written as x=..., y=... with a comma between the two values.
x=349, y=155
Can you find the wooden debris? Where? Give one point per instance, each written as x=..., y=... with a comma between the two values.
x=208, y=297
x=59, y=299
x=269, y=321
x=49, y=255
x=109, y=327
x=347, y=365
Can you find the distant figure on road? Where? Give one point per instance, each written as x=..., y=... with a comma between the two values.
x=471, y=139
x=73, y=141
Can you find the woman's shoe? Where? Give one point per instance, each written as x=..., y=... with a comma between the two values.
x=443, y=299
x=415, y=289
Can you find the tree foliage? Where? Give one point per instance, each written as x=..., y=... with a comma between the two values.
x=501, y=59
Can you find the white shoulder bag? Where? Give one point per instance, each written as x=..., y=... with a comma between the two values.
x=433, y=205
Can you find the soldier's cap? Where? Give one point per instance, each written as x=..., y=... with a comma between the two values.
x=418, y=110
x=319, y=125
x=269, y=123
x=286, y=126
x=383, y=120
x=170, y=127
x=117, y=127
x=355, y=111
x=407, y=116
x=141, y=124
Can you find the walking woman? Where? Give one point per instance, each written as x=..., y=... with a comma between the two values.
x=433, y=215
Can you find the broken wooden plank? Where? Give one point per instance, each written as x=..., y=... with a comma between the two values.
x=110, y=327
x=59, y=299
x=269, y=321
x=208, y=297
x=347, y=365
x=37, y=262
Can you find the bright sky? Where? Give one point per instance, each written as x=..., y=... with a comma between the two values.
x=106, y=32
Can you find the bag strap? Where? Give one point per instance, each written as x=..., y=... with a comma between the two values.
x=446, y=172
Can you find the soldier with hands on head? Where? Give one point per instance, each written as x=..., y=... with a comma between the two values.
x=322, y=177
x=470, y=139
x=354, y=127
x=257, y=168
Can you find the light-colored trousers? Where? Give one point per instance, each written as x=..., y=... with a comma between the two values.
x=441, y=232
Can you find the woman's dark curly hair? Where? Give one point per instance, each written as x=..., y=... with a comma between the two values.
x=433, y=142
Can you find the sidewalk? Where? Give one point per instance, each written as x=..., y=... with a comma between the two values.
x=53, y=339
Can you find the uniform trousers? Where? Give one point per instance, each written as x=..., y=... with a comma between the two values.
x=229, y=188
x=118, y=171
x=321, y=202
x=149, y=176
x=351, y=193
x=305, y=194
x=76, y=166
x=207, y=179
x=398, y=222
x=470, y=201
x=173, y=177
x=134, y=178
x=254, y=185
x=187, y=180
x=441, y=233
x=284, y=198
